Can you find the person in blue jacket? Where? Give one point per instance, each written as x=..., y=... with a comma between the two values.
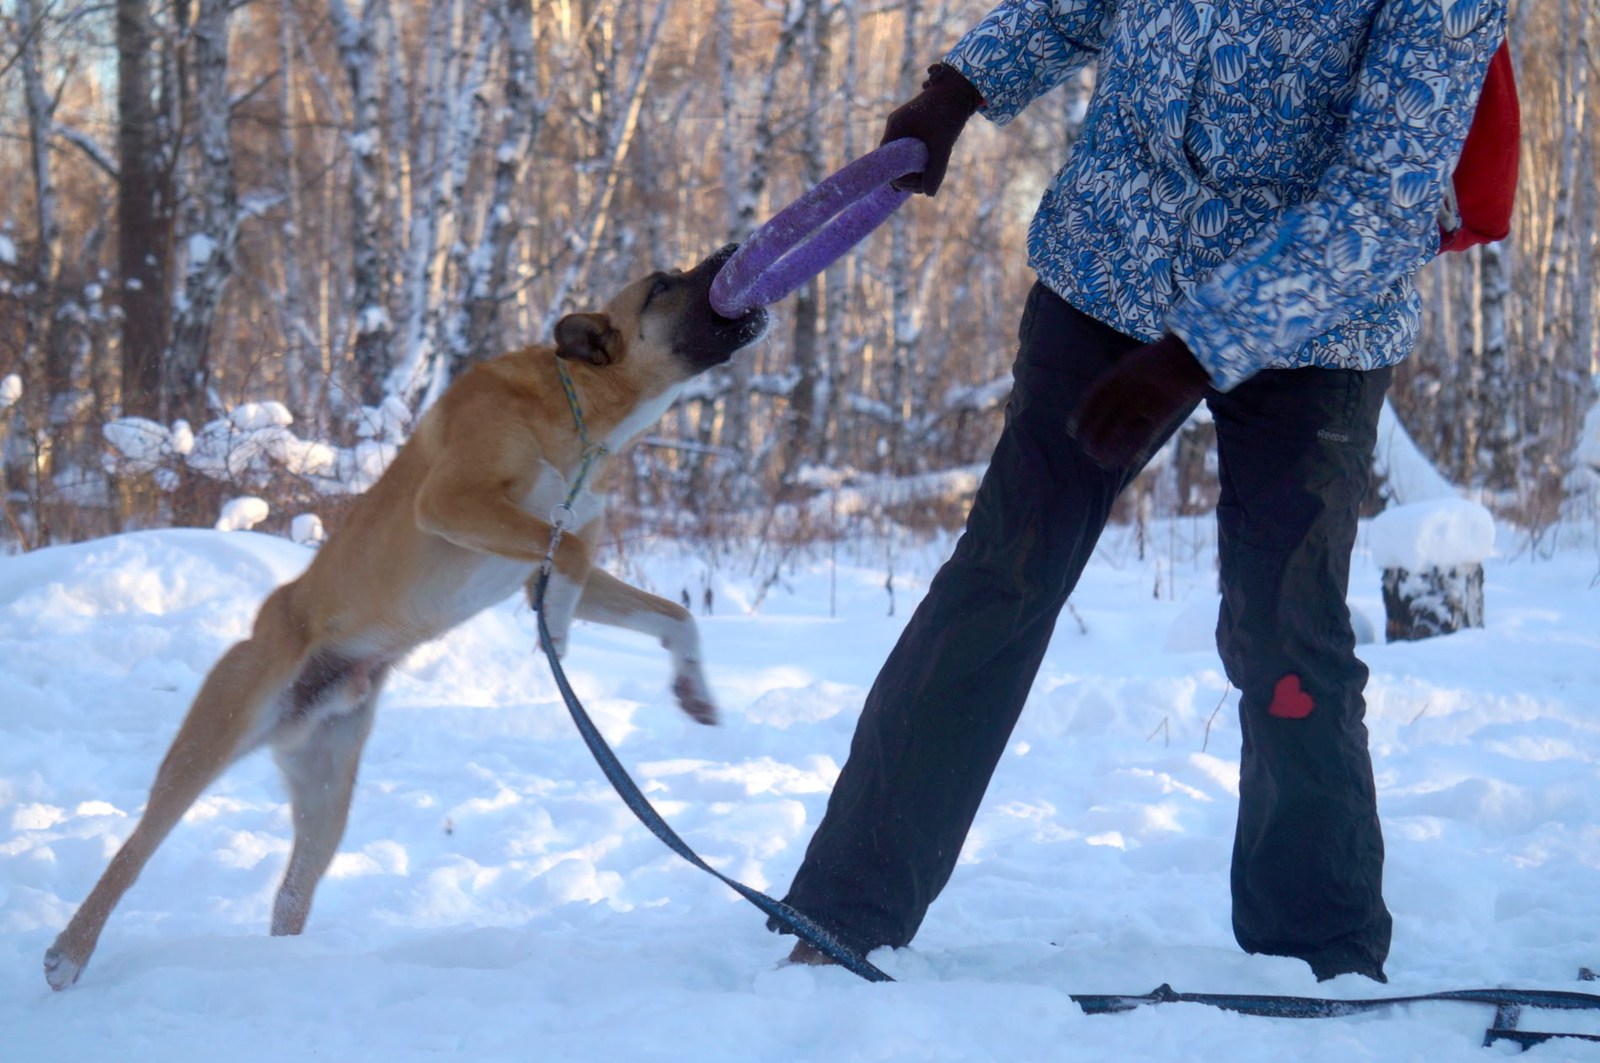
x=1254, y=188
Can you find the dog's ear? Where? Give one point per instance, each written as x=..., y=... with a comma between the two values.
x=588, y=338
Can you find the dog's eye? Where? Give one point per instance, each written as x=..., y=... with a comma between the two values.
x=657, y=287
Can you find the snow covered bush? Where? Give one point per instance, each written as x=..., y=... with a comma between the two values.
x=242, y=514
x=254, y=448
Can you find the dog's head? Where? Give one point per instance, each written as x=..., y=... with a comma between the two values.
x=665, y=317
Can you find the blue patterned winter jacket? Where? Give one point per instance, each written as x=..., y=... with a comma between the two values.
x=1261, y=177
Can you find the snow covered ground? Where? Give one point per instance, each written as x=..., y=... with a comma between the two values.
x=494, y=900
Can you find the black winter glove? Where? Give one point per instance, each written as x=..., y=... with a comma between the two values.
x=1125, y=409
x=934, y=116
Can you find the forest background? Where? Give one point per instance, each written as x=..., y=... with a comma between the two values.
x=244, y=244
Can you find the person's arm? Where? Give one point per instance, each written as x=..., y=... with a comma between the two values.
x=1374, y=217
x=1025, y=48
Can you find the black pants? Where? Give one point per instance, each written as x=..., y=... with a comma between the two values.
x=1295, y=448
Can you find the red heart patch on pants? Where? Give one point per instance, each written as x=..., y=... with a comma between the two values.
x=1289, y=701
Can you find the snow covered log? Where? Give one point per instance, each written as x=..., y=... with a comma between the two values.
x=1432, y=557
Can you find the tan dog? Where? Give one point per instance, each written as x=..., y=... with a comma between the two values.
x=457, y=523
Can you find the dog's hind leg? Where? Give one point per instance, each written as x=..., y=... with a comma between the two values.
x=608, y=600
x=319, y=767
x=224, y=723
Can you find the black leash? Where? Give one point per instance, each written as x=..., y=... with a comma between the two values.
x=1508, y=1005
x=803, y=926
x=1507, y=1002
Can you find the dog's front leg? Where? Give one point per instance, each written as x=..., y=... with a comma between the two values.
x=608, y=600
x=476, y=511
x=565, y=588
x=561, y=598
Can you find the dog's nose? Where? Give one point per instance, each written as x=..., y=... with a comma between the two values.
x=720, y=257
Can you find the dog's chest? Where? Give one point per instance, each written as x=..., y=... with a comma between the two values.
x=488, y=579
x=550, y=489
x=642, y=416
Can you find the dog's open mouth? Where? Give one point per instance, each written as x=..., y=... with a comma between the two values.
x=745, y=329
x=708, y=338
x=742, y=330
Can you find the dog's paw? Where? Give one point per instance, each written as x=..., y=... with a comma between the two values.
x=694, y=699
x=60, y=970
x=558, y=643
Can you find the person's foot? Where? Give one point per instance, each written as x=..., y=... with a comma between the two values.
x=810, y=956
x=1328, y=968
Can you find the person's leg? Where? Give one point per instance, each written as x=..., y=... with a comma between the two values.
x=937, y=720
x=1295, y=449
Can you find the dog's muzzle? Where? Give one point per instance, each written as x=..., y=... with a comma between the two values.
x=730, y=333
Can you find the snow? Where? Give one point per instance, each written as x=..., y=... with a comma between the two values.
x=10, y=390
x=1407, y=473
x=243, y=446
x=493, y=900
x=1439, y=534
x=302, y=457
x=374, y=318
x=8, y=251
x=254, y=416
x=140, y=442
x=389, y=421
x=201, y=248
x=982, y=397
x=306, y=529
x=242, y=514
x=182, y=437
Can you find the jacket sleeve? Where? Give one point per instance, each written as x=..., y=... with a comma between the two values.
x=1374, y=217
x=1025, y=48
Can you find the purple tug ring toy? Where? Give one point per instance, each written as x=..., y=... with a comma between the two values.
x=810, y=234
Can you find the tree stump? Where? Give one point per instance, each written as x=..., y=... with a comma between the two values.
x=1432, y=555
x=1432, y=601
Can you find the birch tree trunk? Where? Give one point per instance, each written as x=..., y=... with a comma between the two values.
x=409, y=375
x=810, y=385
x=617, y=137
x=210, y=243
x=738, y=210
x=904, y=321
x=1575, y=358
x=451, y=205
x=483, y=291
x=43, y=375
x=145, y=204
x=1584, y=342
x=1501, y=432
x=1461, y=387
x=302, y=345
x=41, y=129
x=734, y=379
x=843, y=343
x=373, y=327
x=1542, y=422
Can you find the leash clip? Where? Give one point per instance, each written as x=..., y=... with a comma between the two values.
x=561, y=518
